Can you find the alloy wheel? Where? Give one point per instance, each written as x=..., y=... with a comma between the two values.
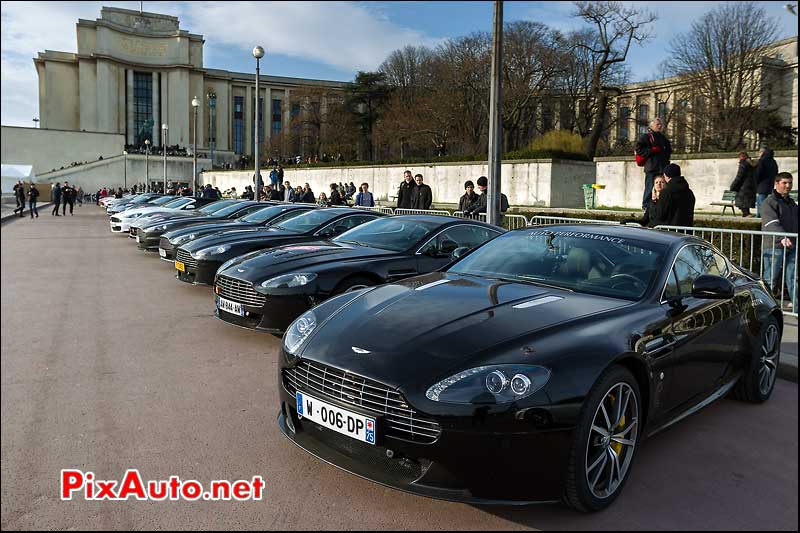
x=768, y=364
x=612, y=440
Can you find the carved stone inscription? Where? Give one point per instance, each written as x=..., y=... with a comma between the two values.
x=141, y=47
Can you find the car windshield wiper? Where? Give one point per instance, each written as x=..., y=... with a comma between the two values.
x=358, y=243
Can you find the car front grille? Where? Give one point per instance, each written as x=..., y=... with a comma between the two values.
x=239, y=291
x=399, y=419
x=182, y=256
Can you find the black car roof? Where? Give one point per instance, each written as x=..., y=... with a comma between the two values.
x=667, y=238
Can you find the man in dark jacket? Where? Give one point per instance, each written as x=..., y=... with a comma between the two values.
x=69, y=193
x=656, y=148
x=19, y=195
x=422, y=196
x=766, y=171
x=335, y=197
x=469, y=197
x=33, y=195
x=744, y=185
x=56, y=199
x=406, y=192
x=779, y=214
x=675, y=205
x=308, y=195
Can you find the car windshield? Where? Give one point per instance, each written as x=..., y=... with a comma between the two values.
x=310, y=220
x=263, y=214
x=213, y=207
x=158, y=200
x=229, y=210
x=177, y=202
x=396, y=234
x=580, y=261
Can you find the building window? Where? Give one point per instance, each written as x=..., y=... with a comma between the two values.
x=644, y=118
x=277, y=116
x=238, y=124
x=260, y=122
x=143, y=107
x=624, y=121
x=662, y=111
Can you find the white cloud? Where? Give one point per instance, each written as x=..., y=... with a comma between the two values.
x=345, y=35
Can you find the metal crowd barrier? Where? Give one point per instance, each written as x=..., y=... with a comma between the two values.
x=438, y=212
x=543, y=220
x=380, y=209
x=759, y=252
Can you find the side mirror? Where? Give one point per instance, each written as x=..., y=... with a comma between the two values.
x=712, y=287
x=458, y=252
x=190, y=206
x=327, y=232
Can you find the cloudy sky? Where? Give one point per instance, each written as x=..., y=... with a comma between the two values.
x=323, y=40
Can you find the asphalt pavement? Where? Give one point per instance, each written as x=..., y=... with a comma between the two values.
x=109, y=363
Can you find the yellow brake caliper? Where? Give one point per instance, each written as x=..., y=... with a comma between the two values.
x=616, y=446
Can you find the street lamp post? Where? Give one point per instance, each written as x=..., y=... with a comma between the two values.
x=258, y=53
x=125, y=171
x=35, y=122
x=164, y=129
x=147, y=164
x=196, y=106
x=212, y=132
x=495, y=119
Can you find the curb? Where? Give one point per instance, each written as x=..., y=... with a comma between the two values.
x=788, y=369
x=10, y=217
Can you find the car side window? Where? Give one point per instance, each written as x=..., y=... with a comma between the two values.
x=671, y=289
x=694, y=261
x=346, y=223
x=463, y=236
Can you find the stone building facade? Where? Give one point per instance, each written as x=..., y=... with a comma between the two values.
x=135, y=71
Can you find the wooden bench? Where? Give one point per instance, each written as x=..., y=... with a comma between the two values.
x=728, y=200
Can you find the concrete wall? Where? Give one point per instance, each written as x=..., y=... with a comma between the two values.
x=708, y=177
x=524, y=182
x=47, y=149
x=112, y=172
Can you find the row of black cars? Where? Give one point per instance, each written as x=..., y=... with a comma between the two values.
x=451, y=358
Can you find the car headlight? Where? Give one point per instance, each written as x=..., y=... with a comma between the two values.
x=289, y=280
x=299, y=331
x=490, y=384
x=205, y=252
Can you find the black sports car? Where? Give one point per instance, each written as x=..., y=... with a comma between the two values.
x=268, y=214
x=267, y=290
x=197, y=261
x=148, y=235
x=135, y=201
x=531, y=368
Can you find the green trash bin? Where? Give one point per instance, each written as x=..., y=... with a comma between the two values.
x=588, y=196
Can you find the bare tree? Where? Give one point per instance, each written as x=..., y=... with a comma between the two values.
x=720, y=59
x=616, y=27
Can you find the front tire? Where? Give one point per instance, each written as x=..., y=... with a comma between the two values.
x=605, y=443
x=758, y=382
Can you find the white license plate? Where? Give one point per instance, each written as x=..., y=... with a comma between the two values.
x=359, y=427
x=229, y=306
x=162, y=252
x=138, y=238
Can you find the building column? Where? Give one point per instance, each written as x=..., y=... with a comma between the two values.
x=129, y=122
x=155, y=135
x=267, y=117
x=248, y=121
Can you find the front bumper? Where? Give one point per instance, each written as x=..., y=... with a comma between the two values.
x=148, y=241
x=476, y=459
x=275, y=316
x=201, y=274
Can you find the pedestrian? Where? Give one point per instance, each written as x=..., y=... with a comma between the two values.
x=19, y=195
x=766, y=171
x=209, y=193
x=280, y=173
x=323, y=200
x=335, y=197
x=422, y=197
x=469, y=198
x=79, y=196
x=364, y=198
x=298, y=194
x=481, y=203
x=308, y=195
x=56, y=199
x=68, y=193
x=744, y=185
x=652, y=215
x=234, y=195
x=406, y=190
x=273, y=177
x=33, y=196
x=218, y=193
x=676, y=201
x=779, y=214
x=290, y=195
x=653, y=151
x=274, y=194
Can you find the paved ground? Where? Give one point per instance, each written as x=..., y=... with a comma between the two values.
x=108, y=363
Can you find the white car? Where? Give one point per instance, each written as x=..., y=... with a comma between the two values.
x=121, y=222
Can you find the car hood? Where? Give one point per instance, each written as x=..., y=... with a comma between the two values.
x=440, y=323
x=239, y=235
x=142, y=211
x=294, y=257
